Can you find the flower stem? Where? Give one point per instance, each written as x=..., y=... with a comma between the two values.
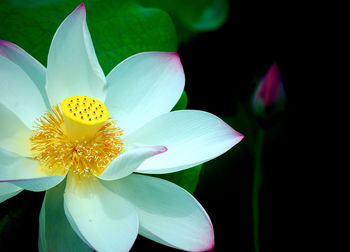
x=257, y=181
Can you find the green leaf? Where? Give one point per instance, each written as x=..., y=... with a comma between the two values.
x=187, y=179
x=118, y=29
x=182, y=103
x=191, y=17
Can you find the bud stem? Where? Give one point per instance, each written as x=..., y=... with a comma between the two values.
x=257, y=181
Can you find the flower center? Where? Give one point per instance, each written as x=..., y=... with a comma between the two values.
x=80, y=140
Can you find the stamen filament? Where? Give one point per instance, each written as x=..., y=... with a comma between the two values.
x=84, y=149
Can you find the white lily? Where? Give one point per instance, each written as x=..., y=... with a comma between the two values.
x=103, y=204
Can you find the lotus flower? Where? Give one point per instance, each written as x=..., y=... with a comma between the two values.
x=89, y=139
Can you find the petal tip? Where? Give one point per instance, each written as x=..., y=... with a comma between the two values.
x=275, y=66
x=175, y=56
x=210, y=242
x=6, y=47
x=237, y=136
x=240, y=135
x=211, y=247
x=81, y=8
x=161, y=149
x=171, y=55
x=3, y=42
x=6, y=43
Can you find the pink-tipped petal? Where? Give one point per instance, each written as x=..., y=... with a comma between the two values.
x=33, y=68
x=168, y=214
x=143, y=87
x=81, y=6
x=18, y=92
x=192, y=137
x=130, y=160
x=72, y=67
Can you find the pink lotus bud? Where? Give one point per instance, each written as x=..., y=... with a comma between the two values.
x=269, y=96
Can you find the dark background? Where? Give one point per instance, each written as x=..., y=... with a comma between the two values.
x=222, y=71
x=222, y=68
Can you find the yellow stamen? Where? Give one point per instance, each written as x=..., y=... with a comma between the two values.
x=64, y=142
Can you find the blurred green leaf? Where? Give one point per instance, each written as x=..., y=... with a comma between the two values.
x=118, y=29
x=187, y=179
x=3, y=222
x=182, y=103
x=191, y=17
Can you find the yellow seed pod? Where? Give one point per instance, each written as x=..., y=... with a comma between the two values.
x=83, y=116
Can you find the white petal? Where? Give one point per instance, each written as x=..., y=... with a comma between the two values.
x=144, y=86
x=128, y=161
x=192, y=137
x=24, y=172
x=33, y=68
x=72, y=66
x=14, y=135
x=168, y=214
x=103, y=219
x=55, y=232
x=19, y=94
x=8, y=190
